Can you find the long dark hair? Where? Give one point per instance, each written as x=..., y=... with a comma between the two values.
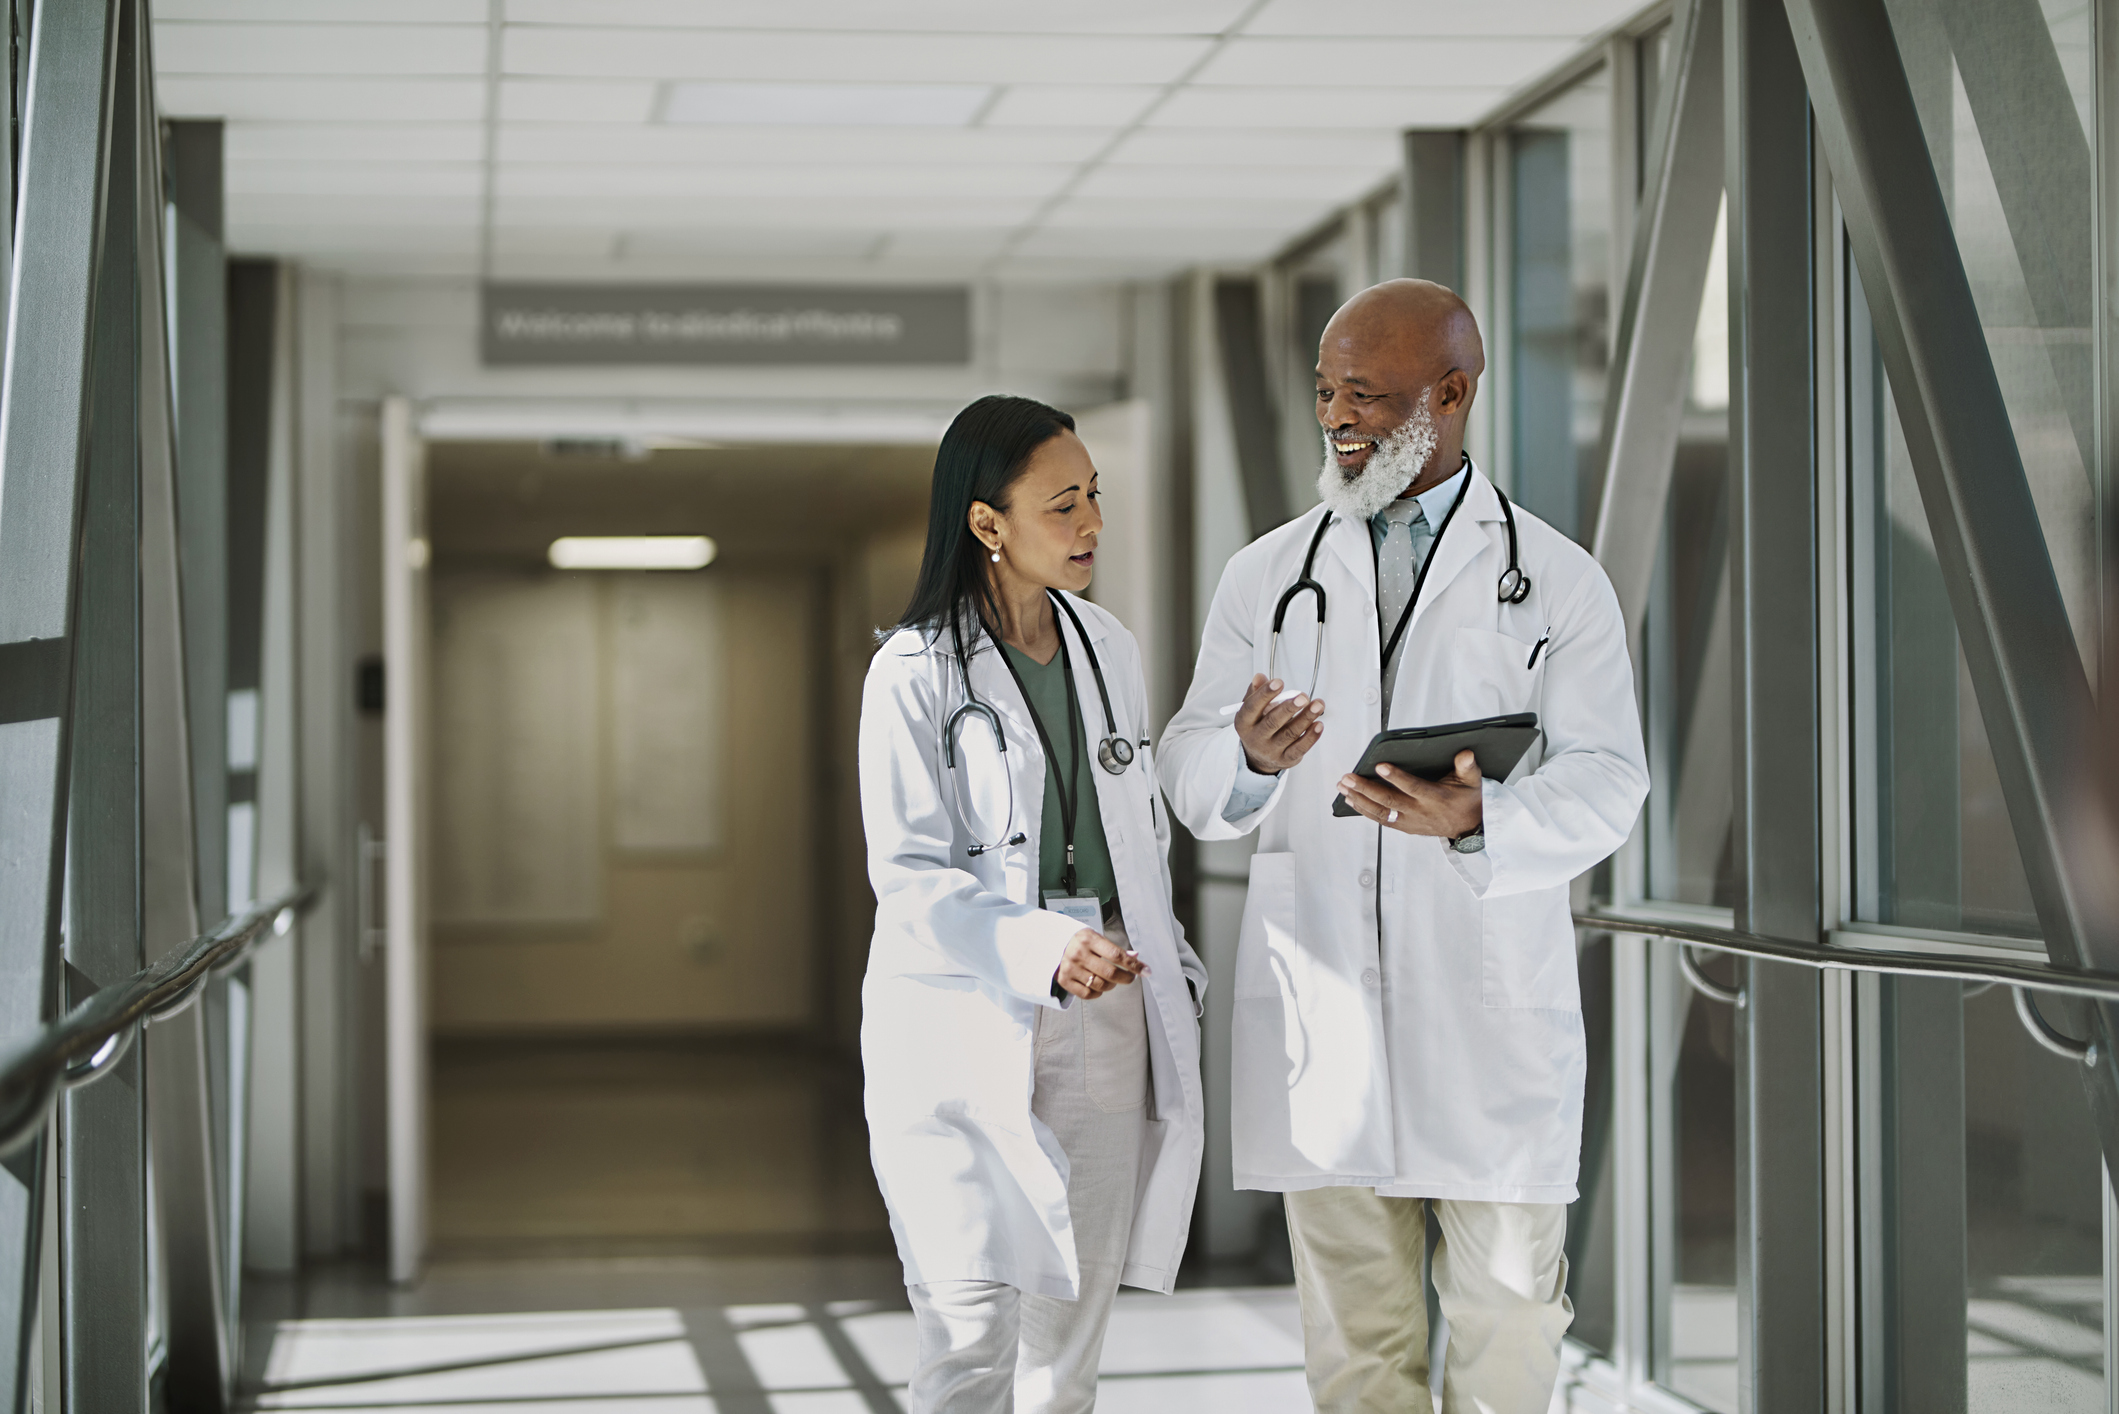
x=982, y=456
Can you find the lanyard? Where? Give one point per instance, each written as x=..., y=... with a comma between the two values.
x=1069, y=796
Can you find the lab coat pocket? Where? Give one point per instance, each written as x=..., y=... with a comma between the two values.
x=1527, y=953
x=1265, y=947
x=1488, y=675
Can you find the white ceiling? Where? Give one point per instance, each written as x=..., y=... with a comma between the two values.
x=1122, y=137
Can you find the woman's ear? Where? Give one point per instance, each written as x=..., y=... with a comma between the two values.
x=985, y=523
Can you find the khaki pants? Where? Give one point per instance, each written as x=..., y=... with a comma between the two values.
x=1499, y=1270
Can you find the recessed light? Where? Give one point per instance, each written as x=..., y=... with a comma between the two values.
x=631, y=552
x=844, y=105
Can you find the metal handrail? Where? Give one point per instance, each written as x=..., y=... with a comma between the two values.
x=93, y=1036
x=2102, y=986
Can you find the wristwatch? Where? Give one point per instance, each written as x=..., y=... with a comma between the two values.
x=1471, y=843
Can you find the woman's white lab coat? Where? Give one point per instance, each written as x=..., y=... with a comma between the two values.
x=1407, y=1017
x=964, y=956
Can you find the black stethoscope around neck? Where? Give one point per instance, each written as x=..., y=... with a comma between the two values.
x=1513, y=587
x=1114, y=753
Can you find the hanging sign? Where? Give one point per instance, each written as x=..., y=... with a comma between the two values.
x=558, y=324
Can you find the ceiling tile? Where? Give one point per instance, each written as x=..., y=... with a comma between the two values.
x=410, y=12
x=822, y=57
x=1455, y=63
x=575, y=101
x=1182, y=17
x=1378, y=149
x=326, y=212
x=304, y=178
x=321, y=99
x=1071, y=105
x=1119, y=214
x=1324, y=107
x=653, y=142
x=763, y=240
x=399, y=51
x=634, y=213
x=354, y=142
x=1362, y=20
x=1178, y=245
x=1314, y=186
x=794, y=181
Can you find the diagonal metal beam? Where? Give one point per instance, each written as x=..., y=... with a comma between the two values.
x=44, y=394
x=2027, y=674
x=1673, y=240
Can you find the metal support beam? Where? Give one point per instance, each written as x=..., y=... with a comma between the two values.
x=1239, y=328
x=102, y=1128
x=43, y=445
x=1912, y=1168
x=2013, y=626
x=1781, y=1346
x=1434, y=205
x=182, y=673
x=1673, y=240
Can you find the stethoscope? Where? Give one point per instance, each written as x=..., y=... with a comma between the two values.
x=1513, y=588
x=1114, y=753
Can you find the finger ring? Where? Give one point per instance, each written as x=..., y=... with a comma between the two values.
x=1391, y=819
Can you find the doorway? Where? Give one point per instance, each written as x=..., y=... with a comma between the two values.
x=646, y=911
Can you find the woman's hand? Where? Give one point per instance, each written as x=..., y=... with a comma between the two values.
x=1093, y=965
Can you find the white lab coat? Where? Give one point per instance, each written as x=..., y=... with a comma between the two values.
x=964, y=956
x=1426, y=1039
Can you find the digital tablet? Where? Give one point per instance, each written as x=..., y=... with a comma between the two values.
x=1497, y=743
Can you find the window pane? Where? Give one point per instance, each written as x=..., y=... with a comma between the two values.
x=2034, y=1219
x=1685, y=647
x=2005, y=109
x=1559, y=273
x=1692, y=1199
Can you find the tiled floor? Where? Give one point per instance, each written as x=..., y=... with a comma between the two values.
x=1226, y=1351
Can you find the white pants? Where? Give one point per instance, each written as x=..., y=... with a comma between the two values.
x=986, y=1347
x=1500, y=1271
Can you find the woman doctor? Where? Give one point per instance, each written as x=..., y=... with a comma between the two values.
x=1029, y=1028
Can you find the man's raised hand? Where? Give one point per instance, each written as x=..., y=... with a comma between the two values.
x=1276, y=735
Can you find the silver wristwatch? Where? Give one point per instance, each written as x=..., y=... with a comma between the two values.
x=1471, y=843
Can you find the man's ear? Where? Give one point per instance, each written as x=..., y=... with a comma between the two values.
x=1453, y=392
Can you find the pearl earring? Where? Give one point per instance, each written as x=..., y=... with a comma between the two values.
x=996, y=557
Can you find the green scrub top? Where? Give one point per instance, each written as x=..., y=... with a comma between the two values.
x=1046, y=686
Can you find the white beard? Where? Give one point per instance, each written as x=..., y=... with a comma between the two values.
x=1394, y=464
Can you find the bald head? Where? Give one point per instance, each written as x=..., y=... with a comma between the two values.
x=1391, y=351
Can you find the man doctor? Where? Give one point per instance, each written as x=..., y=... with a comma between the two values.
x=1407, y=1026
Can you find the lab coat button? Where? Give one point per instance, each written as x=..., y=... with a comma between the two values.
x=1368, y=878
x=1369, y=696
x=1370, y=977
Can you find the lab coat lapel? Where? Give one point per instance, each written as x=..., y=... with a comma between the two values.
x=1466, y=540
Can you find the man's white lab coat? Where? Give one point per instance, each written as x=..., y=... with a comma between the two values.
x=1406, y=1017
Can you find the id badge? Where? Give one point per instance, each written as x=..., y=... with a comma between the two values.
x=1082, y=906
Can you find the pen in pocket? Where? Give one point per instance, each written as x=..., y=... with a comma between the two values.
x=1538, y=648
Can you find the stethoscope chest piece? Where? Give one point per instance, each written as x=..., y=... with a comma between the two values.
x=1515, y=586
x=1115, y=755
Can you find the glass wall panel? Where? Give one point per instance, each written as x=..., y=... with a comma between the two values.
x=1686, y=638
x=2005, y=106
x=1692, y=1199
x=1558, y=268
x=2034, y=1213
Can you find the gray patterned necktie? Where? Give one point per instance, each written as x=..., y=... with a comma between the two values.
x=1402, y=545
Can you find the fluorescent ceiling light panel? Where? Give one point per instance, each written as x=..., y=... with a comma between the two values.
x=854, y=105
x=631, y=552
